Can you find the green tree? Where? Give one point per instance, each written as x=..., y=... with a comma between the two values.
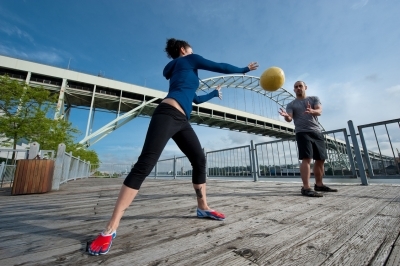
x=56, y=132
x=84, y=154
x=25, y=113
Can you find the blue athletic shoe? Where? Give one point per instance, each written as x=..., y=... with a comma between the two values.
x=102, y=244
x=210, y=214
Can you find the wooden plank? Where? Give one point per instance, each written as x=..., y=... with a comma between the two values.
x=29, y=176
x=323, y=243
x=32, y=258
x=394, y=258
x=160, y=228
x=34, y=177
x=268, y=232
x=185, y=245
x=371, y=245
x=18, y=183
x=161, y=217
x=40, y=177
x=185, y=222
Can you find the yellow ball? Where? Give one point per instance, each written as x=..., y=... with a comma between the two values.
x=272, y=79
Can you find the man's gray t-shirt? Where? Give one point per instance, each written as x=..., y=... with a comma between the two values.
x=304, y=122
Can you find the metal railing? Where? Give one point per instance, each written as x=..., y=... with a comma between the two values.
x=177, y=167
x=383, y=139
x=110, y=170
x=8, y=164
x=232, y=162
x=67, y=167
x=279, y=158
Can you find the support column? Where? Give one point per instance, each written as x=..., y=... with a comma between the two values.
x=28, y=78
x=67, y=112
x=90, y=118
x=60, y=104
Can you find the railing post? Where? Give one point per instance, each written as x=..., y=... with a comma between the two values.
x=67, y=167
x=33, y=150
x=75, y=167
x=205, y=155
x=87, y=169
x=155, y=170
x=357, y=152
x=58, y=166
x=366, y=155
x=349, y=153
x=80, y=168
x=253, y=162
x=2, y=166
x=174, y=167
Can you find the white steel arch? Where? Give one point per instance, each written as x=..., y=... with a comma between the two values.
x=281, y=96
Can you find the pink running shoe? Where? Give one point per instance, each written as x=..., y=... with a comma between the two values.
x=102, y=244
x=210, y=214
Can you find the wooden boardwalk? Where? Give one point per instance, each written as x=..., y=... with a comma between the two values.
x=268, y=223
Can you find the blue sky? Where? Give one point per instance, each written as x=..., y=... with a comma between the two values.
x=347, y=51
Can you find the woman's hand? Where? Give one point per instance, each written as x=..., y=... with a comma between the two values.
x=219, y=91
x=253, y=66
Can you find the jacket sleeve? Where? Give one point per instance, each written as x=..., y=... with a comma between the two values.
x=202, y=63
x=204, y=98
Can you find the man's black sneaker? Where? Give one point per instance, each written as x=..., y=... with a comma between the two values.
x=310, y=193
x=324, y=188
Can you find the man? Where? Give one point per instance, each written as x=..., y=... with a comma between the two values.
x=304, y=111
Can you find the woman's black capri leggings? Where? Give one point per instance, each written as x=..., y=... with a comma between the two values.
x=168, y=122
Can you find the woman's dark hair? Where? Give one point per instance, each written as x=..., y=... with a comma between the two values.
x=174, y=46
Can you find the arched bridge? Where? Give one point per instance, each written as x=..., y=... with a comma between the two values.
x=127, y=101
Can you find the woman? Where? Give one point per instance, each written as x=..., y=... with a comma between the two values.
x=171, y=120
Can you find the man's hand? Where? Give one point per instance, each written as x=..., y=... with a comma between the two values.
x=309, y=110
x=283, y=113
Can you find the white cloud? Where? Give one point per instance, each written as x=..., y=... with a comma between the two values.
x=49, y=57
x=395, y=90
x=12, y=52
x=14, y=30
x=52, y=56
x=359, y=4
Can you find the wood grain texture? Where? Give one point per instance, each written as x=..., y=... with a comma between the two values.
x=33, y=176
x=268, y=223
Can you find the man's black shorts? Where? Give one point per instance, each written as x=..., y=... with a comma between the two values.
x=311, y=145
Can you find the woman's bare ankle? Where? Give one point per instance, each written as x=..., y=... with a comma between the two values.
x=203, y=206
x=109, y=230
